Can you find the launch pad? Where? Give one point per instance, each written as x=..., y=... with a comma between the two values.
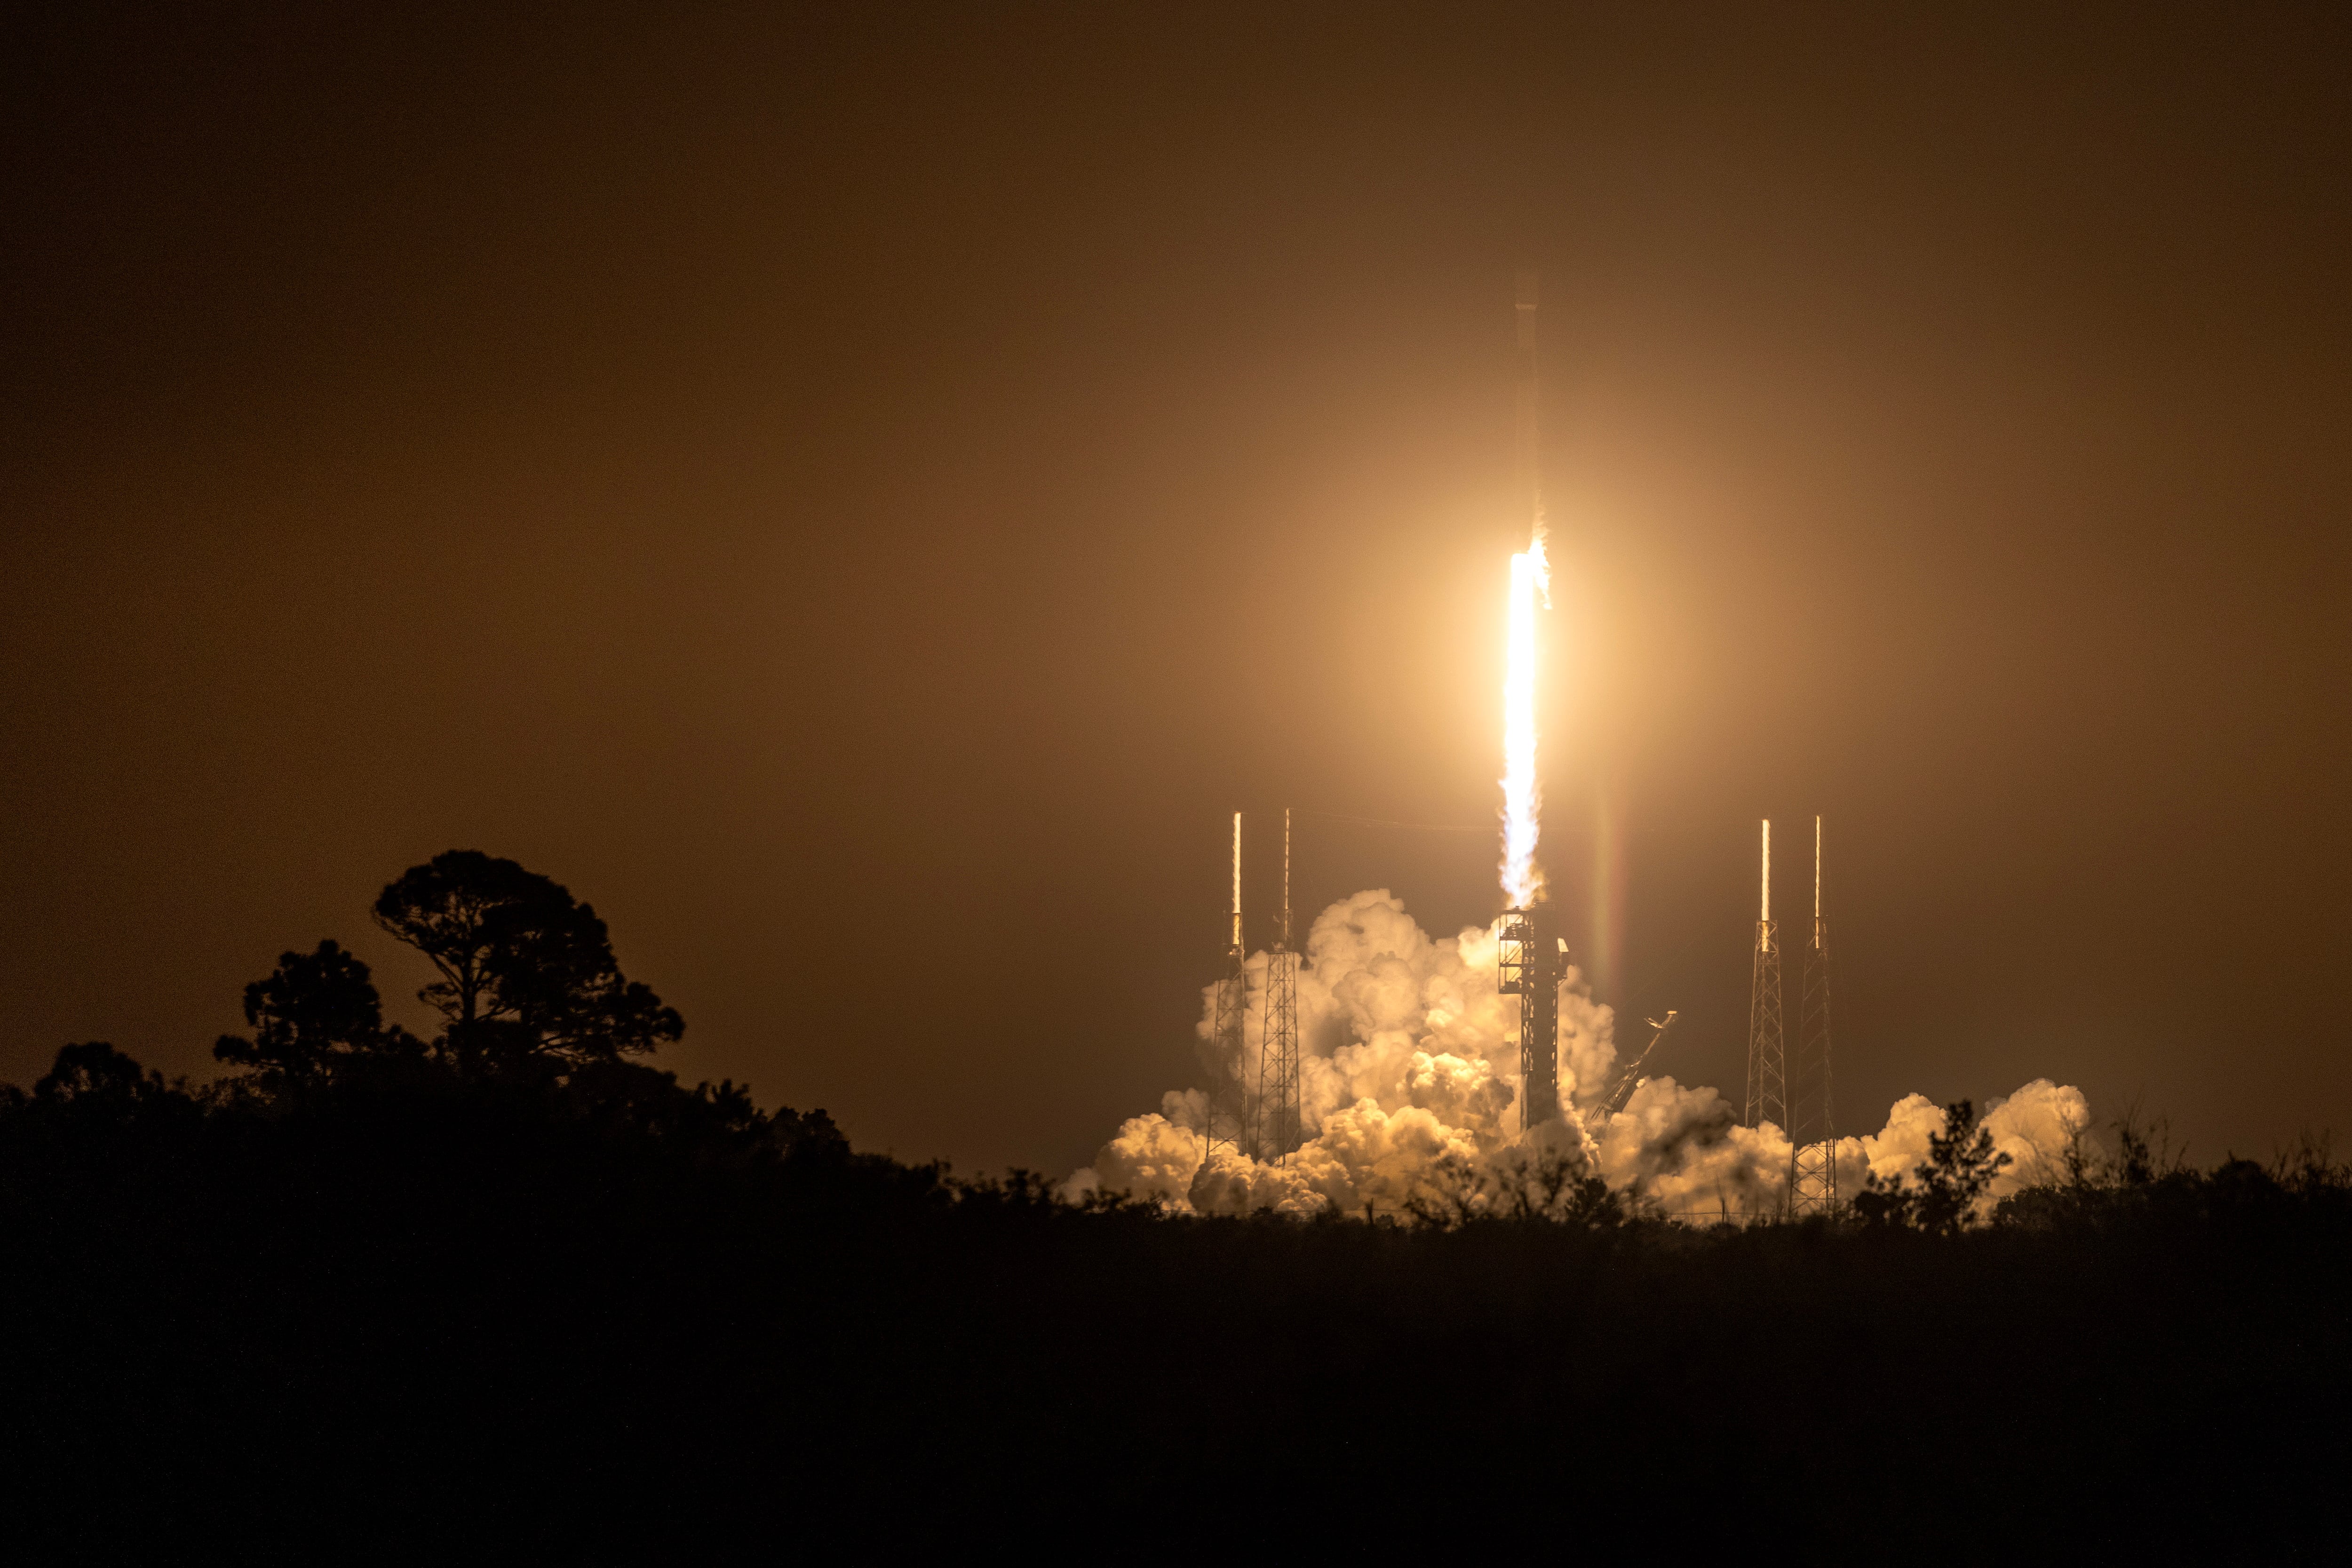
x=1532, y=959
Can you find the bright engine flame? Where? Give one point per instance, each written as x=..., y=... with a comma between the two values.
x=1522, y=800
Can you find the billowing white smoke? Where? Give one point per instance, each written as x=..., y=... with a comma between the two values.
x=1409, y=1073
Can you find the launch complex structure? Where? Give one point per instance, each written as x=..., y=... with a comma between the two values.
x=1798, y=1100
x=1532, y=958
x=1261, y=1120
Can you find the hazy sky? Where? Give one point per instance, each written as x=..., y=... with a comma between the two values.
x=859, y=499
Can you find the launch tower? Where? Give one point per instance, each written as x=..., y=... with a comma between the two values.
x=1767, y=1059
x=1228, y=1102
x=1532, y=958
x=1275, y=1129
x=1812, y=1131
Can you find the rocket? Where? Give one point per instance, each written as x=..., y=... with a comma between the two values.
x=1529, y=494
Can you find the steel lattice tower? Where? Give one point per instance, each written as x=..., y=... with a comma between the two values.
x=1228, y=1102
x=1529, y=964
x=1277, y=1121
x=1812, y=1130
x=1767, y=1056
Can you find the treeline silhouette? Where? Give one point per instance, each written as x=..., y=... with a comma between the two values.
x=511, y=1288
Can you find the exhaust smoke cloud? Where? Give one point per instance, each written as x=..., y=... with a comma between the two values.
x=1409, y=1060
x=1409, y=1071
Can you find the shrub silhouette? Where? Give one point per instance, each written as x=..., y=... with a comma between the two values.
x=96, y=1076
x=317, y=1013
x=1549, y=1187
x=1943, y=1194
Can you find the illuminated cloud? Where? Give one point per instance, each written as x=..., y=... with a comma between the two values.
x=1412, y=1062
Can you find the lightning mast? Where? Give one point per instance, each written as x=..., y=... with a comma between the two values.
x=1767, y=1060
x=1228, y=1103
x=1812, y=1130
x=1278, y=1071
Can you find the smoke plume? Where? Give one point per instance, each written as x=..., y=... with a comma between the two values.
x=1409, y=1072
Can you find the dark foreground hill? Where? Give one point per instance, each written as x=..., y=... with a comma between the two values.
x=429, y=1315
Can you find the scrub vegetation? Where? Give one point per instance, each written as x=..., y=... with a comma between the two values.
x=512, y=1287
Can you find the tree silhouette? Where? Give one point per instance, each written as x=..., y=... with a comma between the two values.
x=94, y=1073
x=316, y=1014
x=526, y=972
x=1960, y=1165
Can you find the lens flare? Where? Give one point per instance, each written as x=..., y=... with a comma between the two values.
x=1522, y=797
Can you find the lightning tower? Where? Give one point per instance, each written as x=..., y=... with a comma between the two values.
x=1812, y=1131
x=1277, y=1121
x=1767, y=1059
x=1228, y=1102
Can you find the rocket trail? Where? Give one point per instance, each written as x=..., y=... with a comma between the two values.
x=1522, y=795
x=1392, y=1065
x=1530, y=581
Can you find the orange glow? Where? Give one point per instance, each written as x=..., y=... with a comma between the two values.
x=1522, y=795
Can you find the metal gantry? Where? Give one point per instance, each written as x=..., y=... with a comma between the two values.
x=1767, y=1057
x=1529, y=962
x=1228, y=1030
x=1631, y=1078
x=1275, y=1127
x=1813, y=1126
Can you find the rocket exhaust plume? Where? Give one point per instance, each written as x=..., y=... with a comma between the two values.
x=1400, y=1061
x=1530, y=580
x=1522, y=796
x=1409, y=1075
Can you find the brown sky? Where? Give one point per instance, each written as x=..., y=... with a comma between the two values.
x=860, y=496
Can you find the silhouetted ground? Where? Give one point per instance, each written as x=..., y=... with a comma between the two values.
x=428, y=1315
